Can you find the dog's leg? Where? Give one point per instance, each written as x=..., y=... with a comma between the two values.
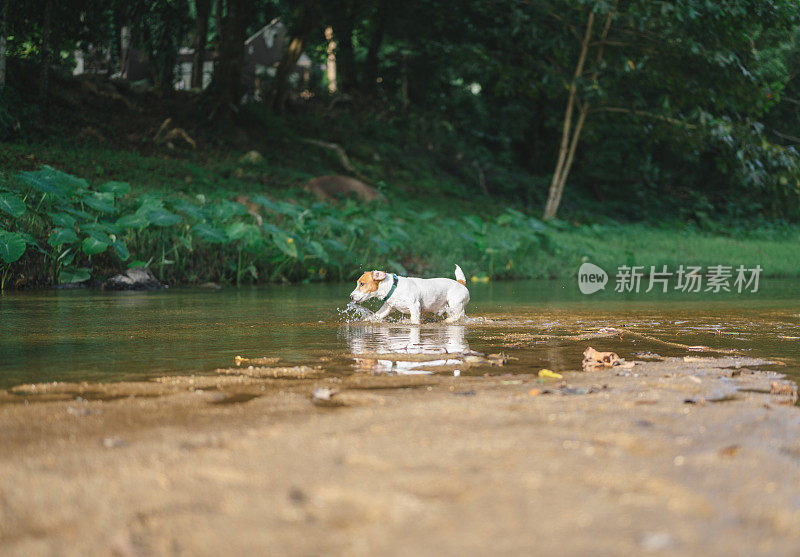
x=416, y=314
x=454, y=314
x=385, y=310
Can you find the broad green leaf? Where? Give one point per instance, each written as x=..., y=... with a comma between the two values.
x=106, y=227
x=121, y=249
x=236, y=230
x=536, y=224
x=100, y=236
x=72, y=274
x=61, y=236
x=504, y=219
x=383, y=247
x=67, y=256
x=52, y=181
x=190, y=209
x=162, y=217
x=334, y=245
x=93, y=246
x=11, y=204
x=64, y=220
x=225, y=210
x=103, y=202
x=249, y=234
x=134, y=220
x=474, y=221
x=80, y=215
x=280, y=207
x=271, y=228
x=30, y=240
x=316, y=249
x=12, y=246
x=150, y=201
x=210, y=234
x=285, y=243
x=117, y=188
x=397, y=266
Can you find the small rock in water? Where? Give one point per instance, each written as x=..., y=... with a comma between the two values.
x=324, y=396
x=112, y=442
x=135, y=278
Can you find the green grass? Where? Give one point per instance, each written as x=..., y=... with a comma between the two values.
x=305, y=240
x=435, y=214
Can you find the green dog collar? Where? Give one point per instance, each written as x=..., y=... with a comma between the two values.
x=392, y=289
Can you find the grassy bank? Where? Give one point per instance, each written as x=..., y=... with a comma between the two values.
x=87, y=190
x=58, y=228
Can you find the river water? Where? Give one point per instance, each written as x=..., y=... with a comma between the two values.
x=109, y=336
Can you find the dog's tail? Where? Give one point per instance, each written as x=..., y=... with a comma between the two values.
x=460, y=276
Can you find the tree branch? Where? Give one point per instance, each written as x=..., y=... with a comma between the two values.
x=786, y=136
x=340, y=153
x=667, y=119
x=550, y=207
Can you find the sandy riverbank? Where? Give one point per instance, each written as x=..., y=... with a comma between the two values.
x=621, y=461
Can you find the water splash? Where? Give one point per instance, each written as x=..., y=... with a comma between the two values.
x=354, y=312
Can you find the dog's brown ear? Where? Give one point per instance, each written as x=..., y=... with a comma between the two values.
x=378, y=275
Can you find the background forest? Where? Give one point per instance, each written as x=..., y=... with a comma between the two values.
x=517, y=138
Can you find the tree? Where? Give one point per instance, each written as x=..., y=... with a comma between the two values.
x=232, y=20
x=3, y=34
x=202, y=13
x=680, y=48
x=159, y=27
x=307, y=18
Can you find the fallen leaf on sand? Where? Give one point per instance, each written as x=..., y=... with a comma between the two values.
x=776, y=388
x=534, y=392
x=729, y=451
x=592, y=359
x=550, y=374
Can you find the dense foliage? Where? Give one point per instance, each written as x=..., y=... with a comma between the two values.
x=72, y=230
x=682, y=111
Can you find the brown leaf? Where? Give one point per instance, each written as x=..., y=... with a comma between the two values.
x=592, y=359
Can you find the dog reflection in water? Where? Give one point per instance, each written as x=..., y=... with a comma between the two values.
x=407, y=349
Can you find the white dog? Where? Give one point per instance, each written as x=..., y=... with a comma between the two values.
x=414, y=296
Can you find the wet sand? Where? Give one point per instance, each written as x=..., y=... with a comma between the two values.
x=685, y=455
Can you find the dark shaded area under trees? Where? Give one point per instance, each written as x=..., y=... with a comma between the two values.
x=632, y=110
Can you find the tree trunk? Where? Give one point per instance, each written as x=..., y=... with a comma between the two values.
x=345, y=56
x=573, y=145
x=233, y=33
x=308, y=20
x=375, y=44
x=330, y=63
x=404, y=82
x=47, y=32
x=3, y=33
x=570, y=137
x=203, y=9
x=553, y=195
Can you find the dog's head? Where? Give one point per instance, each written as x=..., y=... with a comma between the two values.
x=367, y=286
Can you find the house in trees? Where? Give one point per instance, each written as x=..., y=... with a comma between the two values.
x=263, y=51
x=262, y=54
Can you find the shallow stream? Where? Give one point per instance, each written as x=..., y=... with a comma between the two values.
x=108, y=336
